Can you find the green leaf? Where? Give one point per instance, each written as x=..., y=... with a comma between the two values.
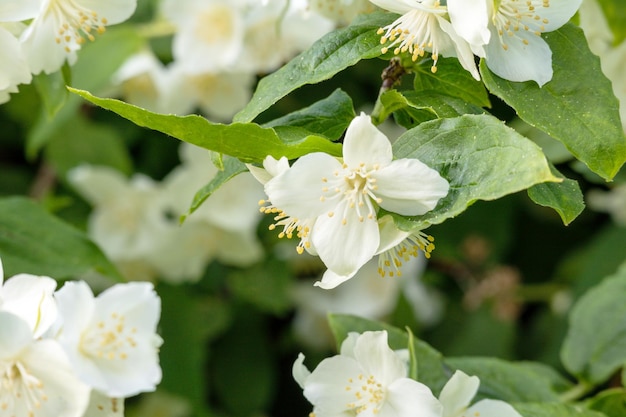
x=481, y=158
x=231, y=168
x=577, y=107
x=430, y=366
x=611, y=402
x=97, y=61
x=331, y=54
x=506, y=381
x=595, y=344
x=34, y=241
x=329, y=117
x=565, y=197
x=554, y=410
x=412, y=108
x=450, y=79
x=247, y=141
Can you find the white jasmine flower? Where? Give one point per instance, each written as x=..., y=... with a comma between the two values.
x=423, y=27
x=60, y=27
x=457, y=394
x=338, y=199
x=14, y=69
x=36, y=378
x=111, y=340
x=30, y=298
x=514, y=49
x=366, y=378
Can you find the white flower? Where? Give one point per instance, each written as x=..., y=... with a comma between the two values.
x=338, y=200
x=367, y=378
x=513, y=49
x=612, y=202
x=341, y=11
x=60, y=27
x=36, y=378
x=111, y=340
x=14, y=69
x=457, y=394
x=423, y=27
x=101, y=405
x=30, y=298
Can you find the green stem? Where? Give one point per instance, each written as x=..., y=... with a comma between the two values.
x=576, y=392
x=391, y=77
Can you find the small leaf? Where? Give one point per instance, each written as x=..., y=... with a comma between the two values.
x=481, y=158
x=329, y=117
x=450, y=79
x=247, y=141
x=577, y=107
x=565, y=197
x=34, y=241
x=591, y=351
x=610, y=402
x=331, y=54
x=430, y=366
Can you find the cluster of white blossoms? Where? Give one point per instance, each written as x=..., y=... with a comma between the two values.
x=66, y=353
x=331, y=204
x=369, y=378
x=136, y=221
x=41, y=35
x=218, y=49
x=506, y=33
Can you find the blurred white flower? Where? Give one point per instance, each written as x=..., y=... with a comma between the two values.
x=101, y=405
x=612, y=202
x=513, y=49
x=14, y=69
x=457, y=394
x=35, y=375
x=342, y=197
x=366, y=378
x=111, y=339
x=60, y=27
x=341, y=11
x=30, y=298
x=424, y=27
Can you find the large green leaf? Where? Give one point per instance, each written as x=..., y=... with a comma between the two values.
x=331, y=54
x=34, y=241
x=577, y=107
x=450, y=79
x=329, y=117
x=430, y=367
x=507, y=381
x=481, y=158
x=247, y=141
x=554, y=410
x=610, y=402
x=595, y=345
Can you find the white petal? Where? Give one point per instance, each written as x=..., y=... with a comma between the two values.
x=16, y=11
x=492, y=408
x=15, y=334
x=520, y=62
x=407, y=397
x=345, y=246
x=364, y=143
x=409, y=187
x=299, y=371
x=326, y=386
x=297, y=191
x=458, y=47
x=396, y=6
x=101, y=405
x=114, y=11
x=373, y=353
x=470, y=19
x=390, y=235
x=458, y=393
x=331, y=279
x=558, y=13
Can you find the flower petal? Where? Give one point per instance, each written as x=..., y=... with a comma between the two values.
x=326, y=386
x=407, y=397
x=470, y=19
x=558, y=13
x=297, y=191
x=409, y=187
x=520, y=62
x=457, y=393
x=331, y=279
x=373, y=353
x=492, y=408
x=365, y=144
x=343, y=242
x=16, y=11
x=299, y=371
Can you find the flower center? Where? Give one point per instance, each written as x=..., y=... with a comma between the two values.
x=111, y=339
x=513, y=16
x=367, y=393
x=415, y=32
x=390, y=262
x=20, y=391
x=215, y=24
x=75, y=23
x=356, y=187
